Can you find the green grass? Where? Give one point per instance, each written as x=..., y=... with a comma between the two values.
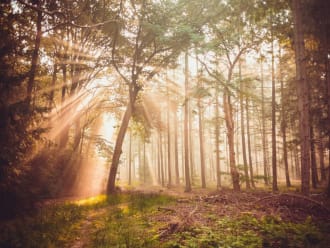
x=127, y=224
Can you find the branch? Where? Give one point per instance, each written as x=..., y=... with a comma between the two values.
x=113, y=59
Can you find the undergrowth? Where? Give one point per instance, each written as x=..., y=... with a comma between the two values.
x=127, y=224
x=248, y=231
x=128, y=221
x=51, y=226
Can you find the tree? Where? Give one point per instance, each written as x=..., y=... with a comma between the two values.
x=146, y=38
x=303, y=96
x=186, y=128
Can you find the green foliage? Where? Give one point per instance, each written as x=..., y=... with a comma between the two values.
x=249, y=231
x=51, y=226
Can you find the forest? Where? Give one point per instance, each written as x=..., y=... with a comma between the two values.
x=164, y=123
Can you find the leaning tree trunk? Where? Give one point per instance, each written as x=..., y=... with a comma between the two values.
x=111, y=187
x=303, y=97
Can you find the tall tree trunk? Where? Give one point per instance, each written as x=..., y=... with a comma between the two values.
x=249, y=140
x=176, y=152
x=327, y=33
x=111, y=187
x=52, y=91
x=217, y=137
x=274, y=162
x=169, y=170
x=64, y=134
x=201, y=140
x=186, y=127
x=130, y=160
x=321, y=156
x=283, y=126
x=263, y=117
x=191, y=140
x=228, y=109
x=35, y=55
x=313, y=159
x=144, y=162
x=303, y=97
x=245, y=162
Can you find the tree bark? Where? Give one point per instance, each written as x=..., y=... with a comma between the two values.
x=274, y=156
x=313, y=159
x=283, y=126
x=245, y=162
x=217, y=137
x=186, y=128
x=169, y=169
x=176, y=152
x=201, y=141
x=303, y=97
x=249, y=141
x=230, y=134
x=130, y=160
x=263, y=117
x=111, y=187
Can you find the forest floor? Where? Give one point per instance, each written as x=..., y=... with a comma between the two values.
x=159, y=217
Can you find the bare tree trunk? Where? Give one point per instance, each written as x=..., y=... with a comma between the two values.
x=186, y=127
x=162, y=174
x=191, y=140
x=176, y=155
x=169, y=170
x=313, y=159
x=201, y=142
x=52, y=92
x=321, y=156
x=274, y=162
x=264, y=137
x=64, y=134
x=119, y=142
x=303, y=97
x=217, y=137
x=130, y=160
x=230, y=134
x=283, y=126
x=249, y=141
x=245, y=163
